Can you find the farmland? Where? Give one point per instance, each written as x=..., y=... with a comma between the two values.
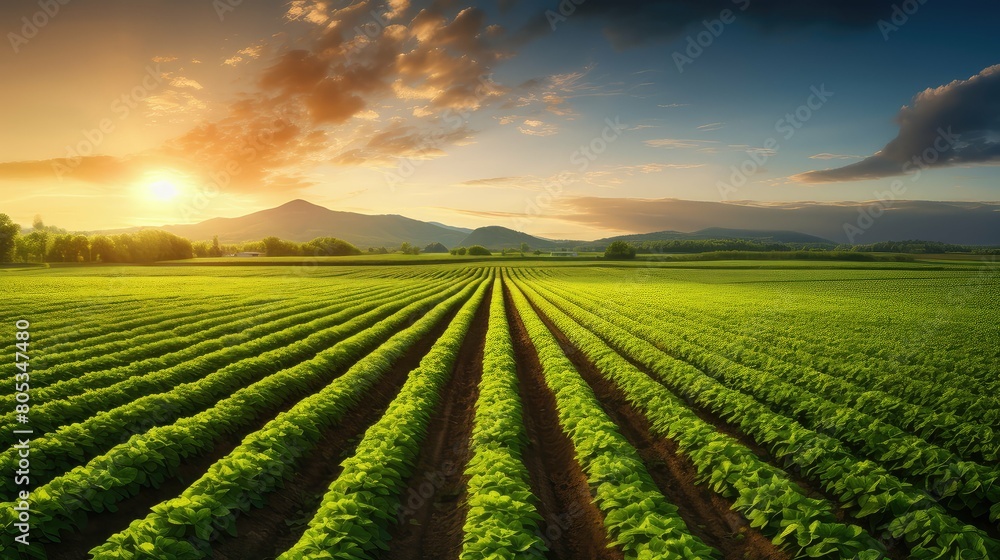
x=504, y=409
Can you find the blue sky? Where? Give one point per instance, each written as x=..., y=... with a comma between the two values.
x=354, y=136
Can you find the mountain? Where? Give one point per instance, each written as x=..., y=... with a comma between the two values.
x=498, y=237
x=968, y=223
x=454, y=228
x=971, y=223
x=299, y=220
x=766, y=236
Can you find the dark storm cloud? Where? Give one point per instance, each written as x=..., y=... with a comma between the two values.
x=955, y=124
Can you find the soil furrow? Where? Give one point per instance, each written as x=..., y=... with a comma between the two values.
x=264, y=533
x=708, y=515
x=572, y=527
x=433, y=507
x=101, y=526
x=895, y=548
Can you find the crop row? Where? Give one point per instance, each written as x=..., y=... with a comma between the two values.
x=73, y=444
x=149, y=458
x=72, y=321
x=199, y=362
x=941, y=390
x=637, y=516
x=113, y=349
x=502, y=522
x=861, y=486
x=65, y=331
x=239, y=328
x=145, y=343
x=764, y=494
x=184, y=527
x=363, y=502
x=961, y=484
x=968, y=432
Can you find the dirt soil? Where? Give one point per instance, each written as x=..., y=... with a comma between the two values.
x=434, y=502
x=572, y=526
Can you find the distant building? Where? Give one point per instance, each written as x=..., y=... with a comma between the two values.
x=249, y=254
x=562, y=253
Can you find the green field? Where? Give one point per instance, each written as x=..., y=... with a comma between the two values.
x=462, y=408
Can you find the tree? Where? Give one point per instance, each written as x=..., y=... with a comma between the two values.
x=216, y=250
x=201, y=248
x=619, y=250
x=275, y=247
x=479, y=250
x=8, y=238
x=435, y=248
x=102, y=249
x=525, y=248
x=329, y=247
x=79, y=248
x=58, y=248
x=22, y=248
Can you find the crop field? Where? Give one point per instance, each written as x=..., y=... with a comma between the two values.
x=502, y=410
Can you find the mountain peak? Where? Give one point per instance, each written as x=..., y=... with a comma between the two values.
x=297, y=204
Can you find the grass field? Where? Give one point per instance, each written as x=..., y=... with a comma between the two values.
x=503, y=409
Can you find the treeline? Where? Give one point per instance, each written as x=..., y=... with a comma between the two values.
x=918, y=247
x=51, y=244
x=707, y=246
x=475, y=250
x=856, y=256
x=716, y=245
x=275, y=247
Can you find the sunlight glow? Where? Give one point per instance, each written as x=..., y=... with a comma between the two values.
x=162, y=190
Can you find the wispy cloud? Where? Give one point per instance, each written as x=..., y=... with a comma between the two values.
x=533, y=127
x=826, y=155
x=647, y=168
x=497, y=182
x=252, y=52
x=711, y=126
x=680, y=143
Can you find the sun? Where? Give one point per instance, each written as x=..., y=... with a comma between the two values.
x=163, y=190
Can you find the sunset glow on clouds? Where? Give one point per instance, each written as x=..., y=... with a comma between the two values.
x=174, y=112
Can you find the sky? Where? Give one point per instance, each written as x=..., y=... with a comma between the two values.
x=545, y=116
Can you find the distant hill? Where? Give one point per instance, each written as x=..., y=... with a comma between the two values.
x=806, y=223
x=299, y=220
x=856, y=222
x=773, y=236
x=454, y=228
x=498, y=237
